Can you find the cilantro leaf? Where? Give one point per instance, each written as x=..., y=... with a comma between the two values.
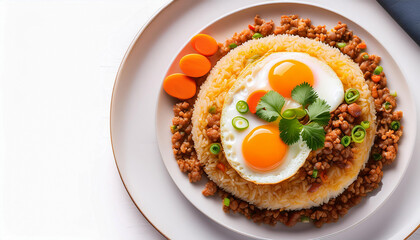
x=304, y=94
x=314, y=135
x=319, y=112
x=290, y=130
x=270, y=105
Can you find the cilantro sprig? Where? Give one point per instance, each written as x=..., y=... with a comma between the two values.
x=291, y=128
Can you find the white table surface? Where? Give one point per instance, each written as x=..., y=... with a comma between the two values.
x=58, y=61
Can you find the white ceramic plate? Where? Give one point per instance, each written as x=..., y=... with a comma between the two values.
x=133, y=121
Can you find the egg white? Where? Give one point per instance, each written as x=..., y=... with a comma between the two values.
x=327, y=85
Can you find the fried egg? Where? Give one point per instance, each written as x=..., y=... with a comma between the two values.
x=257, y=153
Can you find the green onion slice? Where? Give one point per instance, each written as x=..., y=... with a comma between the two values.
x=395, y=125
x=377, y=156
x=212, y=109
x=394, y=93
x=215, y=148
x=341, y=45
x=345, y=141
x=315, y=173
x=358, y=134
x=365, y=124
x=304, y=219
x=289, y=114
x=387, y=105
x=226, y=202
x=378, y=70
x=233, y=45
x=240, y=123
x=366, y=56
x=351, y=95
x=242, y=106
x=257, y=35
x=300, y=113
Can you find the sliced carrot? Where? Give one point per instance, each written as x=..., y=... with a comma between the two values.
x=180, y=86
x=361, y=45
x=376, y=78
x=253, y=100
x=204, y=44
x=195, y=65
x=251, y=27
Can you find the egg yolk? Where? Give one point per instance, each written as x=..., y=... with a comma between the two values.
x=287, y=74
x=262, y=148
x=254, y=99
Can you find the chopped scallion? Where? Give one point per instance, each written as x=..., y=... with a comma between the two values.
x=377, y=156
x=300, y=113
x=240, y=123
x=315, y=173
x=304, y=219
x=358, y=134
x=212, y=109
x=257, y=35
x=366, y=56
x=341, y=45
x=387, y=105
x=289, y=114
x=226, y=202
x=395, y=125
x=174, y=128
x=351, y=95
x=365, y=124
x=233, y=45
x=345, y=141
x=378, y=70
x=394, y=93
x=242, y=106
x=215, y=148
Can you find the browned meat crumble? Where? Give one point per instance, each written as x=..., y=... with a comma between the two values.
x=343, y=119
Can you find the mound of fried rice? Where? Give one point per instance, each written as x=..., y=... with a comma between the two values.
x=291, y=194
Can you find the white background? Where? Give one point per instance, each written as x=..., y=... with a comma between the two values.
x=58, y=61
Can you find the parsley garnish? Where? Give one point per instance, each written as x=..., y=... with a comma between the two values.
x=270, y=105
x=319, y=112
x=291, y=130
x=314, y=135
x=304, y=94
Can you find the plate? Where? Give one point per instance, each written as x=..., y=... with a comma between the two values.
x=132, y=121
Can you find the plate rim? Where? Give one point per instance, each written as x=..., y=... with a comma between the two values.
x=325, y=8
x=146, y=25
x=127, y=53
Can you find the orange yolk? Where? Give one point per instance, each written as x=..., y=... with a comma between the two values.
x=262, y=148
x=253, y=100
x=287, y=74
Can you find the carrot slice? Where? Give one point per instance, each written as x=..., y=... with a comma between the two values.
x=180, y=86
x=361, y=45
x=195, y=65
x=204, y=44
x=376, y=78
x=254, y=98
